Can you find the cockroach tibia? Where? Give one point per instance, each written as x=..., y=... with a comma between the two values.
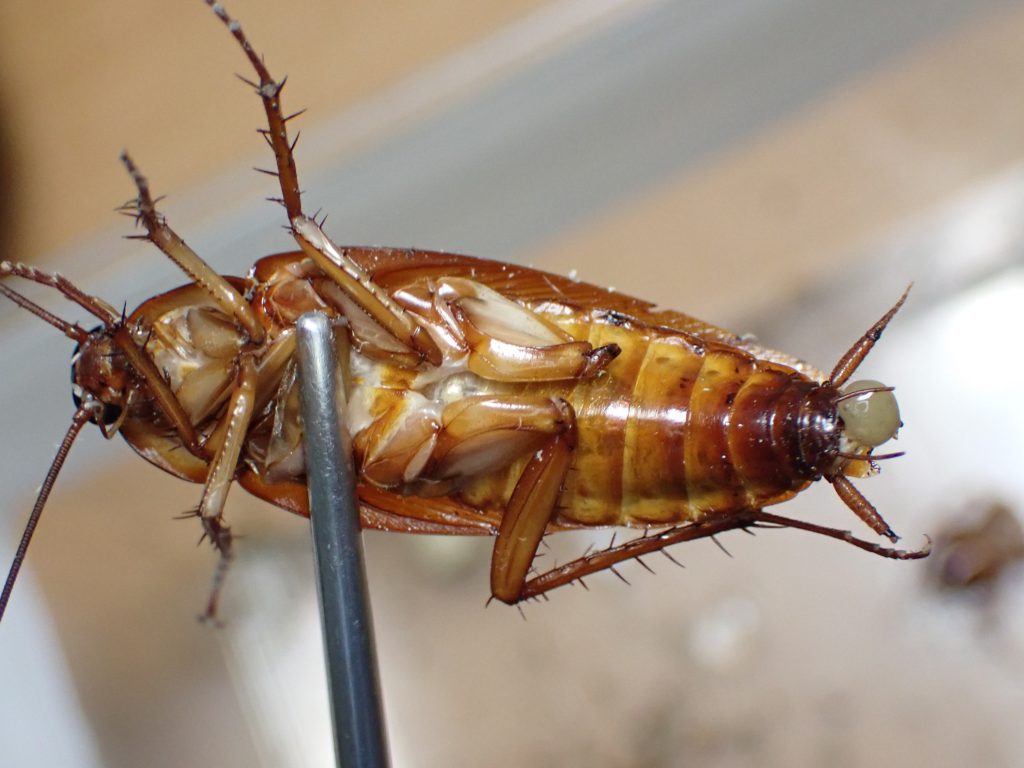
x=483, y=398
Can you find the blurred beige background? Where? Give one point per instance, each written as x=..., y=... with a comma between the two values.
x=783, y=656
x=153, y=78
x=86, y=80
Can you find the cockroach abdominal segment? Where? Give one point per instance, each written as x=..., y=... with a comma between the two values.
x=483, y=398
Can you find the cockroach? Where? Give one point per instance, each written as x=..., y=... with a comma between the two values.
x=483, y=398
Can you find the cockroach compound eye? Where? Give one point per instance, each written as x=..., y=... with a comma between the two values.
x=483, y=398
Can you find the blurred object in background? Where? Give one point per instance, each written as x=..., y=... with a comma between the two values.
x=977, y=550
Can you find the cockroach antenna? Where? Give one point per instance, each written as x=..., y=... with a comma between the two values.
x=83, y=415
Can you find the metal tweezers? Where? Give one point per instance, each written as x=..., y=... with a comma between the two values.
x=353, y=681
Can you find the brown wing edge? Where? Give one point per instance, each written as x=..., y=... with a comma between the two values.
x=382, y=510
x=393, y=268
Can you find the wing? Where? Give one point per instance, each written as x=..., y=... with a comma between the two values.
x=394, y=268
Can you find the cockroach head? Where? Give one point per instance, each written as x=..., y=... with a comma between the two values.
x=99, y=376
x=100, y=379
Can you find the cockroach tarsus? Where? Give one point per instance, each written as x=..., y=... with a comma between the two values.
x=483, y=398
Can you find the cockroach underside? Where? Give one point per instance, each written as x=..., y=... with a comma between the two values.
x=482, y=398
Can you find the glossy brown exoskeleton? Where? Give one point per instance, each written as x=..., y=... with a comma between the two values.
x=483, y=398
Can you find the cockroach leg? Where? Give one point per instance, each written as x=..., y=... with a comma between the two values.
x=348, y=275
x=219, y=535
x=276, y=133
x=73, y=331
x=91, y=304
x=231, y=302
x=117, y=332
x=721, y=546
x=362, y=293
x=575, y=570
x=762, y=519
x=164, y=399
x=645, y=566
x=473, y=436
x=496, y=360
x=618, y=575
x=386, y=511
x=529, y=511
x=228, y=439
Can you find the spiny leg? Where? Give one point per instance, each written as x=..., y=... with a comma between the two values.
x=363, y=294
x=73, y=331
x=415, y=345
x=164, y=399
x=140, y=362
x=231, y=302
x=234, y=428
x=647, y=544
x=91, y=304
x=276, y=133
x=504, y=340
x=769, y=520
x=349, y=276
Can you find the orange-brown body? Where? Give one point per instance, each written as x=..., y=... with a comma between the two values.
x=483, y=398
x=688, y=420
